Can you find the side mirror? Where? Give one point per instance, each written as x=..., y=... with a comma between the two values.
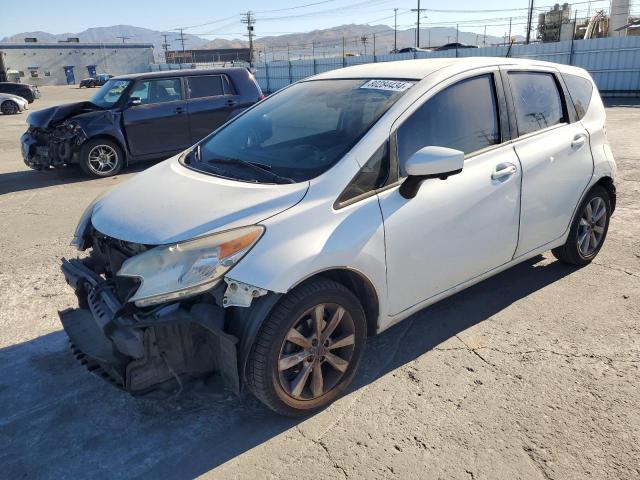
x=134, y=101
x=430, y=162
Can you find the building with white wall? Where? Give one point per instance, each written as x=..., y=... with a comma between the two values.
x=69, y=62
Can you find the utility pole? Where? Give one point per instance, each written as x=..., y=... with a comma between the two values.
x=395, y=29
x=364, y=41
x=418, y=11
x=124, y=38
x=181, y=30
x=374, y=47
x=165, y=46
x=509, y=29
x=529, y=20
x=249, y=20
x=484, y=39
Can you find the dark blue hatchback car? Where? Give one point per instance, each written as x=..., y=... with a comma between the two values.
x=137, y=117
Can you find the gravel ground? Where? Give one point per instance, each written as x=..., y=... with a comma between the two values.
x=531, y=374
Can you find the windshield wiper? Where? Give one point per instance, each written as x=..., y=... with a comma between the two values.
x=258, y=167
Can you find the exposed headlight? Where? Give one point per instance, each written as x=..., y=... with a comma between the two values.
x=185, y=269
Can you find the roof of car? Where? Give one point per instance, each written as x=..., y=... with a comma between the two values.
x=176, y=73
x=420, y=68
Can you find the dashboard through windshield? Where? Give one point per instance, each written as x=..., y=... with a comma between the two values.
x=298, y=133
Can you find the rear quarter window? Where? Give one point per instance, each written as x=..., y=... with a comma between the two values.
x=581, y=91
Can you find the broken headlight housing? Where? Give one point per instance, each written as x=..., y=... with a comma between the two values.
x=179, y=270
x=85, y=219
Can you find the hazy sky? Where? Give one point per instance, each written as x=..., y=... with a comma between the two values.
x=215, y=18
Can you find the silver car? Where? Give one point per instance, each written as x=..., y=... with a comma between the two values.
x=330, y=211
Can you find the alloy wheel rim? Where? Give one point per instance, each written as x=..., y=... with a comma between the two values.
x=316, y=351
x=103, y=159
x=591, y=226
x=11, y=109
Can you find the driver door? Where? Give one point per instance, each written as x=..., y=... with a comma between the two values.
x=159, y=126
x=462, y=227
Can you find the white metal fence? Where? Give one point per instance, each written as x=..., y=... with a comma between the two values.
x=613, y=62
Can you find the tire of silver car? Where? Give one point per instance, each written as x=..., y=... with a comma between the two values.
x=101, y=158
x=9, y=107
x=308, y=350
x=588, y=229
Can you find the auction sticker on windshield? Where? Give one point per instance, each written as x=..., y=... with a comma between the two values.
x=393, y=85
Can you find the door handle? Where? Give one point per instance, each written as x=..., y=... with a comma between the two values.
x=503, y=170
x=231, y=103
x=179, y=110
x=579, y=141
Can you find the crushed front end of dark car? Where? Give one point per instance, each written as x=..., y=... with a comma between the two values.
x=142, y=349
x=55, y=135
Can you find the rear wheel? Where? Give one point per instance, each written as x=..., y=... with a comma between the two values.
x=9, y=107
x=307, y=352
x=588, y=229
x=101, y=158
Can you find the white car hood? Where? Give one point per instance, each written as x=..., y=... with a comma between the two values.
x=8, y=96
x=171, y=203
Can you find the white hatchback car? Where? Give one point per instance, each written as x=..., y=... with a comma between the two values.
x=330, y=211
x=12, y=104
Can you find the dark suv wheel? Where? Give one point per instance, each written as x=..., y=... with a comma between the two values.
x=308, y=350
x=588, y=229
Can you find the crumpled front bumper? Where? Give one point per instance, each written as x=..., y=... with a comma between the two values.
x=141, y=351
x=35, y=153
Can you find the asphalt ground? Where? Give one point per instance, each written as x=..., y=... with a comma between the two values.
x=532, y=374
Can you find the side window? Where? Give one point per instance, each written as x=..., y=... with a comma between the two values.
x=371, y=176
x=463, y=116
x=229, y=89
x=205, y=86
x=580, y=90
x=158, y=91
x=537, y=101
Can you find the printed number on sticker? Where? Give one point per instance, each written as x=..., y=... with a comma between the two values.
x=393, y=85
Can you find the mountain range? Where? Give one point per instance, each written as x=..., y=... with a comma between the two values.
x=358, y=39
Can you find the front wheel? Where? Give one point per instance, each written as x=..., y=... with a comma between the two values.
x=9, y=108
x=308, y=350
x=588, y=229
x=101, y=158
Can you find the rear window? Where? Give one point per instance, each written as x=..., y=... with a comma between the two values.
x=581, y=91
x=537, y=101
x=205, y=86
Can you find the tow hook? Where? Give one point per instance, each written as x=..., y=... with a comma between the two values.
x=240, y=294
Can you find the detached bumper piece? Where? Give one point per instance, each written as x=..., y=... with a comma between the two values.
x=140, y=351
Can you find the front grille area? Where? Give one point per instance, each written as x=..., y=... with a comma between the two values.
x=108, y=255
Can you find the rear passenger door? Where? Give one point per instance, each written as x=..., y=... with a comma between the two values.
x=457, y=229
x=554, y=154
x=211, y=98
x=157, y=127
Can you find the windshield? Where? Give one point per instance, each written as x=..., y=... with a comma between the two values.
x=296, y=134
x=110, y=93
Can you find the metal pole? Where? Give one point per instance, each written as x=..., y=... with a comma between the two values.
x=456, y=40
x=418, y=29
x=529, y=20
x=484, y=40
x=395, y=29
x=509, y=29
x=344, y=60
x=575, y=25
x=374, y=47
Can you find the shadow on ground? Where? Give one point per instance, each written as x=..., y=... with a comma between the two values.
x=32, y=180
x=56, y=420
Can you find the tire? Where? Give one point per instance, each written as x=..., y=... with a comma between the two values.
x=578, y=250
x=9, y=107
x=100, y=158
x=278, y=366
x=92, y=84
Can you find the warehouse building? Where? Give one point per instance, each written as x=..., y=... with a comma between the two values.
x=69, y=62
